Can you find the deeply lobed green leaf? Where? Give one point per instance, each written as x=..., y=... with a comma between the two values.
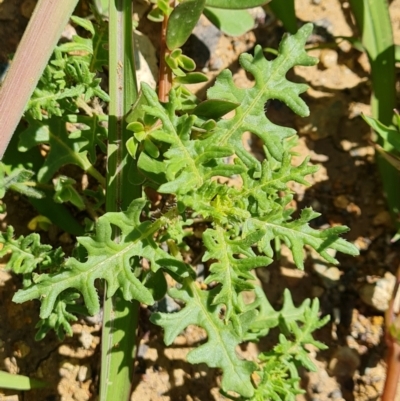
x=109, y=260
x=219, y=351
x=28, y=254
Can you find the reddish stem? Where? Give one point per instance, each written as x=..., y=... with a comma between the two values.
x=165, y=73
x=393, y=371
x=393, y=355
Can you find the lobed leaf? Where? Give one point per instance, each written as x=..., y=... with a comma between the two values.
x=188, y=163
x=219, y=350
x=18, y=180
x=234, y=259
x=27, y=253
x=63, y=149
x=297, y=234
x=107, y=259
x=270, y=83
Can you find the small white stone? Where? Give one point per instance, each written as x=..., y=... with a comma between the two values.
x=330, y=275
x=328, y=58
x=145, y=60
x=84, y=373
x=379, y=294
x=86, y=339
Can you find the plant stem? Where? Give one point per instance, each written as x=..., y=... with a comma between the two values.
x=120, y=317
x=165, y=73
x=34, y=51
x=392, y=371
x=96, y=174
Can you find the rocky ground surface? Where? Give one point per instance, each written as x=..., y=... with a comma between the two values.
x=345, y=190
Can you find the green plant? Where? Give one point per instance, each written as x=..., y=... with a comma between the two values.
x=178, y=147
x=18, y=382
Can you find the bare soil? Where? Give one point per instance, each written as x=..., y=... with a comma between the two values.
x=346, y=190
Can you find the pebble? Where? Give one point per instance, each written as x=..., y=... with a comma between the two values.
x=68, y=370
x=330, y=276
x=167, y=305
x=95, y=319
x=65, y=238
x=383, y=218
x=317, y=291
x=354, y=209
x=86, y=339
x=341, y=201
x=21, y=349
x=362, y=151
x=27, y=8
x=378, y=294
x=366, y=331
x=202, y=43
x=318, y=158
x=292, y=273
x=370, y=385
x=145, y=60
x=362, y=243
x=84, y=373
x=72, y=352
x=316, y=205
x=356, y=109
x=328, y=58
x=258, y=14
x=10, y=364
x=347, y=145
x=344, y=362
x=336, y=394
x=68, y=33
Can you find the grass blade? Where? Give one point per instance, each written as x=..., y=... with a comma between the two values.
x=18, y=382
x=120, y=317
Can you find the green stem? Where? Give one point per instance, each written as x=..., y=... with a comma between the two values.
x=120, y=317
x=40, y=38
x=97, y=175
